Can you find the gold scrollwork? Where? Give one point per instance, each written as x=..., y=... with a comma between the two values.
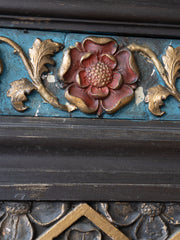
x=176, y=236
x=40, y=55
x=169, y=73
x=99, y=74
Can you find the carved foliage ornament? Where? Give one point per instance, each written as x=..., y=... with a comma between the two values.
x=40, y=55
x=99, y=75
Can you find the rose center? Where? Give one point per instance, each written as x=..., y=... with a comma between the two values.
x=99, y=74
x=151, y=209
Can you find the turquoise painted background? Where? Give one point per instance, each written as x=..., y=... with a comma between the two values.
x=14, y=70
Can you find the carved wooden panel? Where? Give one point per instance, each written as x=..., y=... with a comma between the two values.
x=89, y=120
x=92, y=221
x=95, y=76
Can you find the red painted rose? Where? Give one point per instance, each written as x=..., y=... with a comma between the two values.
x=99, y=75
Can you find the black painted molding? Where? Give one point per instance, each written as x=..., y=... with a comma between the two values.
x=89, y=159
x=127, y=17
x=106, y=10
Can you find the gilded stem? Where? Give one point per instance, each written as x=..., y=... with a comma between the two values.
x=152, y=56
x=21, y=53
x=50, y=98
x=43, y=91
x=176, y=95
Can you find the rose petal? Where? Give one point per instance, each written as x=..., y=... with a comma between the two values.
x=79, y=46
x=117, y=99
x=116, y=82
x=80, y=98
x=16, y=227
x=89, y=59
x=109, y=60
x=70, y=65
x=172, y=213
x=82, y=79
x=44, y=213
x=98, y=93
x=151, y=228
x=127, y=66
x=100, y=45
x=122, y=214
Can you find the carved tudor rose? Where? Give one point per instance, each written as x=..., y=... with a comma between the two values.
x=100, y=75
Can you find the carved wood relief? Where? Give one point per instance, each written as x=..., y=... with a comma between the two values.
x=99, y=75
x=88, y=165
x=92, y=221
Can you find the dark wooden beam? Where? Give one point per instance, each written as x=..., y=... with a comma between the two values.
x=135, y=18
x=68, y=159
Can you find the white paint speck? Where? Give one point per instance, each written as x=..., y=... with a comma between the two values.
x=170, y=42
x=37, y=111
x=70, y=107
x=139, y=95
x=50, y=78
x=153, y=72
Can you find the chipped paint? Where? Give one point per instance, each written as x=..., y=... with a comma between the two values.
x=139, y=95
x=70, y=107
x=153, y=72
x=51, y=78
x=37, y=111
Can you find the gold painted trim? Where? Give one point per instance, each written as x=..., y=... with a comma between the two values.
x=66, y=63
x=100, y=40
x=83, y=210
x=176, y=237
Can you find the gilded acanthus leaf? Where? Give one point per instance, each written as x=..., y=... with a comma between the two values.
x=172, y=65
x=40, y=55
x=18, y=91
x=155, y=97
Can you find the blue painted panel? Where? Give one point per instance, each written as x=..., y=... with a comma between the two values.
x=14, y=70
